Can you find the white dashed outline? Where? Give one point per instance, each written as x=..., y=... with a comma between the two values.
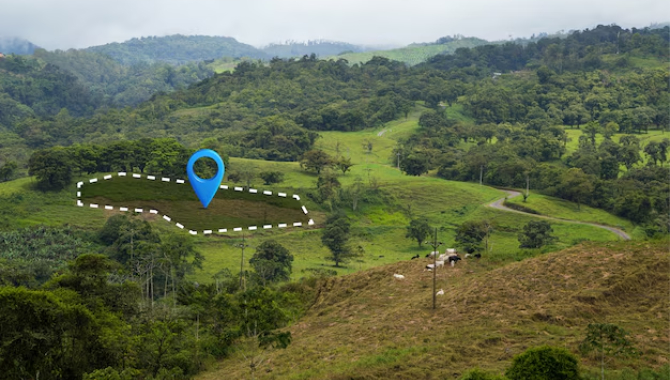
x=181, y=226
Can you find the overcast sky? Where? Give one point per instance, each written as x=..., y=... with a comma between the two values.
x=64, y=24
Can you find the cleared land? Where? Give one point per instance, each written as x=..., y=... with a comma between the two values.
x=369, y=325
x=228, y=209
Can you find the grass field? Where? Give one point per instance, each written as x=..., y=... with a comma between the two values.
x=379, y=223
x=229, y=208
x=369, y=325
x=561, y=208
x=412, y=54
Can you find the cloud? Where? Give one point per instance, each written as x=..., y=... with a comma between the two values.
x=77, y=23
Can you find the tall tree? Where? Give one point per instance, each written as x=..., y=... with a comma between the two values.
x=52, y=168
x=316, y=160
x=336, y=237
x=418, y=230
x=272, y=262
x=536, y=234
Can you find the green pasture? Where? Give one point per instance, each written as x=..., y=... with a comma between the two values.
x=560, y=208
x=228, y=209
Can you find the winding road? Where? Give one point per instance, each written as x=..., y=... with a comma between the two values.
x=498, y=204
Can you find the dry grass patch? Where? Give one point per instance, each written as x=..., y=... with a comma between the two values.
x=369, y=325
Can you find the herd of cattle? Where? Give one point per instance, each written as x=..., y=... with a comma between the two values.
x=449, y=256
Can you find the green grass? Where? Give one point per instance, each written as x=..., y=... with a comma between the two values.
x=22, y=206
x=563, y=209
x=412, y=54
x=228, y=209
x=379, y=224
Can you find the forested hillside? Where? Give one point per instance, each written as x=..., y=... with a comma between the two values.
x=176, y=49
x=119, y=85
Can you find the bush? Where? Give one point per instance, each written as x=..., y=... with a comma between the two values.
x=271, y=177
x=544, y=363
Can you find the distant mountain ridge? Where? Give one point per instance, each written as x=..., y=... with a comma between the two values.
x=177, y=49
x=15, y=45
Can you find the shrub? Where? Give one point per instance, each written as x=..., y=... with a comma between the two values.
x=544, y=363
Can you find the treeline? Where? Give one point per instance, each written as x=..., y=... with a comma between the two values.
x=54, y=167
x=581, y=50
x=117, y=304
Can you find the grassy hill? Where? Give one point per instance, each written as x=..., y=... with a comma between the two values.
x=368, y=325
x=320, y=48
x=560, y=208
x=414, y=54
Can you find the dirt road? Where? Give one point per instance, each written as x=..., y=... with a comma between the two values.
x=498, y=204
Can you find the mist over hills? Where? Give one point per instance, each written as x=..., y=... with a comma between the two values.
x=15, y=45
x=177, y=49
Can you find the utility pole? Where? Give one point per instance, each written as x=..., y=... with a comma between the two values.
x=435, y=244
x=242, y=245
x=481, y=174
x=398, y=154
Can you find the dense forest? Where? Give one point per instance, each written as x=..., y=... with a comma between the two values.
x=115, y=304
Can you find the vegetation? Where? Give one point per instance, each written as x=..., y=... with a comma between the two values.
x=418, y=230
x=176, y=49
x=544, y=363
x=272, y=262
x=536, y=234
x=153, y=302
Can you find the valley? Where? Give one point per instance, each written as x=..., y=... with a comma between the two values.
x=541, y=161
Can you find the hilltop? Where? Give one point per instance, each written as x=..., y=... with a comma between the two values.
x=176, y=49
x=15, y=45
x=368, y=325
x=318, y=47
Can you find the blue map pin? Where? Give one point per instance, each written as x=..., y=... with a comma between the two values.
x=205, y=189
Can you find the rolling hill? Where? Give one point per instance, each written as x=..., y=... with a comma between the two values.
x=177, y=49
x=370, y=326
x=415, y=53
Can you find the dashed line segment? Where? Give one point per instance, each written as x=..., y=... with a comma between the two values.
x=179, y=225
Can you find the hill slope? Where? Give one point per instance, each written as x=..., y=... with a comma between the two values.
x=176, y=49
x=320, y=48
x=415, y=53
x=369, y=326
